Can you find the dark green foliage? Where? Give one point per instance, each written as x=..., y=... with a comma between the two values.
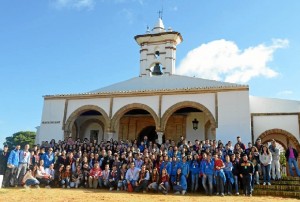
x=20, y=138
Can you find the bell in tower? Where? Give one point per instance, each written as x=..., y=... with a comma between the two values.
x=156, y=70
x=158, y=47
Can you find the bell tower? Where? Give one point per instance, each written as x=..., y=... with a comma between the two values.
x=158, y=50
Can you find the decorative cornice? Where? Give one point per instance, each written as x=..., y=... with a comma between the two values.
x=147, y=92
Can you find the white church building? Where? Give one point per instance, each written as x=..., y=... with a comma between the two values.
x=162, y=105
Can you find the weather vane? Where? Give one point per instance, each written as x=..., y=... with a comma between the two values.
x=160, y=13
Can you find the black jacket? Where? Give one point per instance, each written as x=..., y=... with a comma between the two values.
x=287, y=153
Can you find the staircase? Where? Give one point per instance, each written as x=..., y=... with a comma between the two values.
x=286, y=187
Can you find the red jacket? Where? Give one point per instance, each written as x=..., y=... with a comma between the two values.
x=96, y=172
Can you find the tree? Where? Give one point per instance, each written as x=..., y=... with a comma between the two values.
x=20, y=138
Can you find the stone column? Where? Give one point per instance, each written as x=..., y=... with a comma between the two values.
x=159, y=136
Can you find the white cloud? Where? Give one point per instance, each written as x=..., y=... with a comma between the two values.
x=223, y=60
x=74, y=4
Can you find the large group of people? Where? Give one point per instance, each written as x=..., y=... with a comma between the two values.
x=144, y=166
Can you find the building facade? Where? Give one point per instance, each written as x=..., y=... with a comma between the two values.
x=162, y=105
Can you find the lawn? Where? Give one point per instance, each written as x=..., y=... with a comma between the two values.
x=72, y=195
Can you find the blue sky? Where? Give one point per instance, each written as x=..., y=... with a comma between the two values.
x=74, y=46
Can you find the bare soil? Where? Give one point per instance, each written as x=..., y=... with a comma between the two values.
x=85, y=195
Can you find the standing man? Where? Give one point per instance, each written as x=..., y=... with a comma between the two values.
x=246, y=171
x=291, y=156
x=3, y=160
x=24, y=161
x=48, y=158
x=275, y=165
x=12, y=167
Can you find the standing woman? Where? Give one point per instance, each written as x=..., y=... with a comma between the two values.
x=265, y=158
x=195, y=171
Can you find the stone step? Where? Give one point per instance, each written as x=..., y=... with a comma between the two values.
x=278, y=187
x=290, y=178
x=285, y=182
x=290, y=194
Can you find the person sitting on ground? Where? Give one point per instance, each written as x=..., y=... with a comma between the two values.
x=122, y=184
x=163, y=185
x=154, y=180
x=143, y=180
x=132, y=175
x=77, y=177
x=179, y=184
x=95, y=174
x=29, y=180
x=103, y=180
x=66, y=177
x=113, y=178
x=42, y=176
x=51, y=172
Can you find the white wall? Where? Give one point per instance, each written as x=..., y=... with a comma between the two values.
x=94, y=126
x=52, y=120
x=272, y=105
x=207, y=100
x=150, y=101
x=288, y=123
x=234, y=116
x=192, y=134
x=100, y=102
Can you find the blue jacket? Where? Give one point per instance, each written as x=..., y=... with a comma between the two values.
x=48, y=160
x=170, y=154
x=174, y=167
x=182, y=182
x=14, y=158
x=202, y=165
x=166, y=165
x=208, y=168
x=185, y=168
x=195, y=167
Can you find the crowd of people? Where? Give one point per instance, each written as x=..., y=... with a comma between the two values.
x=200, y=166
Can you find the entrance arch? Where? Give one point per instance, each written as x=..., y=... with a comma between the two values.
x=74, y=115
x=180, y=105
x=189, y=107
x=117, y=116
x=283, y=137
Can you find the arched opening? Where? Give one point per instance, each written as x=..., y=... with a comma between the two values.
x=148, y=131
x=190, y=120
x=133, y=122
x=283, y=137
x=87, y=122
x=130, y=120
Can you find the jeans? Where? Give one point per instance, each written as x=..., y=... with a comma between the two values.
x=220, y=184
x=275, y=169
x=210, y=183
x=195, y=178
x=266, y=171
x=164, y=187
x=293, y=161
x=247, y=184
x=177, y=188
x=122, y=184
x=30, y=182
x=65, y=181
x=21, y=172
x=236, y=183
x=153, y=186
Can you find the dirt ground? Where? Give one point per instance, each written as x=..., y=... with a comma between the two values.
x=72, y=195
